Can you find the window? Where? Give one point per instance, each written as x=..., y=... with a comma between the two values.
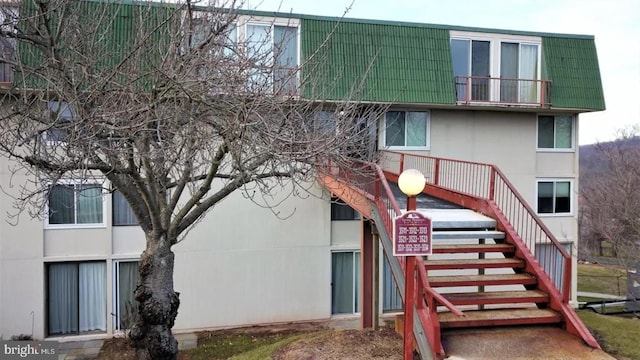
x=391, y=300
x=76, y=297
x=555, y=132
x=126, y=278
x=274, y=51
x=75, y=204
x=496, y=68
x=554, y=196
x=518, y=67
x=345, y=282
x=61, y=116
x=471, y=66
x=342, y=211
x=406, y=129
x=122, y=213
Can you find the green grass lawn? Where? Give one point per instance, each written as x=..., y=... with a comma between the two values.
x=604, y=279
x=617, y=335
x=241, y=346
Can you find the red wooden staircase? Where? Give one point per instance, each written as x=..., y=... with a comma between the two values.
x=494, y=262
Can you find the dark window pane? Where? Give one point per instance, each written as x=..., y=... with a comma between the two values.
x=394, y=133
x=545, y=132
x=460, y=59
x=63, y=298
x=545, y=197
x=509, y=72
x=342, y=211
x=563, y=197
x=127, y=305
x=61, y=205
x=563, y=132
x=122, y=213
x=480, y=68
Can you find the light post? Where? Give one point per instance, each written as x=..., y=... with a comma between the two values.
x=411, y=182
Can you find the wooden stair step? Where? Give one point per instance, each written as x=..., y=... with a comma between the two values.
x=473, y=264
x=481, y=280
x=499, y=317
x=472, y=248
x=497, y=297
x=467, y=234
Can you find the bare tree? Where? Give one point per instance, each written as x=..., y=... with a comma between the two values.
x=610, y=208
x=171, y=107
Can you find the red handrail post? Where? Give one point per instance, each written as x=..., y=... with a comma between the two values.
x=492, y=184
x=436, y=175
x=401, y=164
x=566, y=280
x=409, y=301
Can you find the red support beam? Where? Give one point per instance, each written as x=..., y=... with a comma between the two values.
x=367, y=273
x=409, y=302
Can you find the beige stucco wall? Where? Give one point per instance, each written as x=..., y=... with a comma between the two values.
x=21, y=271
x=231, y=269
x=240, y=260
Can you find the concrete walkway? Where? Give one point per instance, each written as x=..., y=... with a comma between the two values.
x=601, y=296
x=518, y=343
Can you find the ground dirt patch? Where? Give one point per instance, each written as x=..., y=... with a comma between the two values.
x=345, y=344
x=283, y=342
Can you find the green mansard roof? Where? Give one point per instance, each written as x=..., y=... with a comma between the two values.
x=377, y=61
x=399, y=62
x=381, y=63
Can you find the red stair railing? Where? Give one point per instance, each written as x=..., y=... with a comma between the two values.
x=487, y=182
x=380, y=195
x=484, y=188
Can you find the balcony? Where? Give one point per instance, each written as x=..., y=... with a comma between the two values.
x=481, y=90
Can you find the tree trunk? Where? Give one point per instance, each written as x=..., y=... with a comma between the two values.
x=157, y=302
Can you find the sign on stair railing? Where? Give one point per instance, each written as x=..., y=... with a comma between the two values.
x=411, y=234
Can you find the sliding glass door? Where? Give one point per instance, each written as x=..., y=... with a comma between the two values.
x=126, y=278
x=345, y=282
x=77, y=299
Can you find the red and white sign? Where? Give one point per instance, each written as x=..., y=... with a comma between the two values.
x=411, y=234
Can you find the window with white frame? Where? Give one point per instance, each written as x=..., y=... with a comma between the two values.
x=496, y=67
x=472, y=68
x=555, y=132
x=273, y=49
x=554, y=196
x=76, y=297
x=406, y=130
x=75, y=204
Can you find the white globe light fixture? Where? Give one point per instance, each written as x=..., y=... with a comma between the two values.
x=411, y=182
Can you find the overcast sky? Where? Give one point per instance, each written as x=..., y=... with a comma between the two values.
x=614, y=23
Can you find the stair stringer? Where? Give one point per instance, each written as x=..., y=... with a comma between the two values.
x=571, y=321
x=421, y=336
x=371, y=209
